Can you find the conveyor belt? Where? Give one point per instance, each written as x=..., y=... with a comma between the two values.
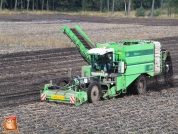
x=81, y=38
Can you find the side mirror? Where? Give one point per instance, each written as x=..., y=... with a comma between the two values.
x=121, y=67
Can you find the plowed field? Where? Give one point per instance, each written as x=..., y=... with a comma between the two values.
x=24, y=73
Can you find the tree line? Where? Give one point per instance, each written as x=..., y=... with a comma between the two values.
x=88, y=5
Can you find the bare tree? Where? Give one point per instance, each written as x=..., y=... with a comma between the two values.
x=83, y=5
x=27, y=4
x=152, y=9
x=125, y=6
x=21, y=3
x=169, y=8
x=42, y=3
x=1, y=4
x=129, y=7
x=11, y=5
x=36, y=4
x=15, y=5
x=53, y=5
x=108, y=4
x=162, y=4
x=33, y=5
x=101, y=3
x=47, y=5
x=113, y=2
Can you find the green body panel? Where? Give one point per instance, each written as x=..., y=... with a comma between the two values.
x=139, y=68
x=136, y=54
x=131, y=53
x=124, y=81
x=130, y=78
x=86, y=71
x=120, y=82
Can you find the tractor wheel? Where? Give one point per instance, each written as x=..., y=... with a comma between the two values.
x=141, y=84
x=168, y=75
x=94, y=92
x=63, y=81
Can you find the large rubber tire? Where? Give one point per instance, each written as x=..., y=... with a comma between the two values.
x=63, y=81
x=141, y=84
x=168, y=76
x=94, y=92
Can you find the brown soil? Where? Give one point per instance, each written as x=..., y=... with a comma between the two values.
x=79, y=18
x=23, y=74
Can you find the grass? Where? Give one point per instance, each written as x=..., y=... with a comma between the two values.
x=39, y=12
x=31, y=42
x=87, y=13
x=9, y=12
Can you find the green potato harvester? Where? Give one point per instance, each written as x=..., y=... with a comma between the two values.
x=113, y=68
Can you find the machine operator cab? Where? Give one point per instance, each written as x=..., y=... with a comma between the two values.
x=102, y=61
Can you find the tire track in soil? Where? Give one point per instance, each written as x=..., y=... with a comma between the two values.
x=25, y=72
x=17, y=71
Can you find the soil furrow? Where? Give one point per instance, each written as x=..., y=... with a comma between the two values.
x=34, y=76
x=52, y=65
x=36, y=57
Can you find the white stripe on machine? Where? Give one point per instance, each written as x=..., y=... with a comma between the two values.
x=72, y=99
x=43, y=97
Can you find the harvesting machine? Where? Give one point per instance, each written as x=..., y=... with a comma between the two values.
x=113, y=68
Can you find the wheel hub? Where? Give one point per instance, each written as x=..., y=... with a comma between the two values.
x=95, y=93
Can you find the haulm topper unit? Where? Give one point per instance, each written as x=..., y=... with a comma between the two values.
x=113, y=68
